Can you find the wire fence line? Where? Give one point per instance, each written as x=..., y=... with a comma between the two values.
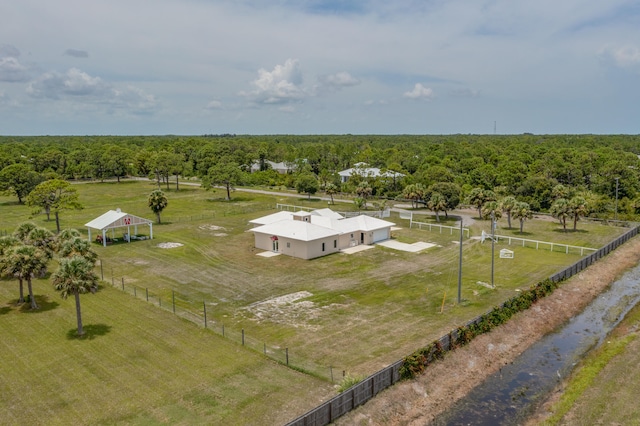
x=200, y=312
x=362, y=392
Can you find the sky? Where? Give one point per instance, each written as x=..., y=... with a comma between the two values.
x=193, y=67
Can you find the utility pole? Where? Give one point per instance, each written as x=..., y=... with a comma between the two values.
x=460, y=266
x=493, y=244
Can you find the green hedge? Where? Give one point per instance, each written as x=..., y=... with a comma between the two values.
x=417, y=362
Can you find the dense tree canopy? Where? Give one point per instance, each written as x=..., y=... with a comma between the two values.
x=527, y=167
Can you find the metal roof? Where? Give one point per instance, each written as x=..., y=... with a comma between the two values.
x=116, y=219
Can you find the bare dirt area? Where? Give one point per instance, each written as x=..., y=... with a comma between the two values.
x=419, y=401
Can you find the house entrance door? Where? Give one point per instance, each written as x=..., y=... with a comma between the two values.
x=362, y=238
x=275, y=246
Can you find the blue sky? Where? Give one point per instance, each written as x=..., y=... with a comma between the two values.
x=73, y=67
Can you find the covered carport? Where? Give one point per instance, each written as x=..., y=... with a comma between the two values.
x=118, y=219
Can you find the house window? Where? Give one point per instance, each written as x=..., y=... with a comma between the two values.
x=322, y=246
x=335, y=243
x=351, y=235
x=288, y=245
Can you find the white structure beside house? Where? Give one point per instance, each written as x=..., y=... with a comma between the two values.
x=308, y=235
x=280, y=167
x=361, y=169
x=117, y=219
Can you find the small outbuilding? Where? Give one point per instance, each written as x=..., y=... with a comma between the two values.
x=117, y=219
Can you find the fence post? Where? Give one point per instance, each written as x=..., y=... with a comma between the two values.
x=331, y=373
x=135, y=294
x=222, y=330
x=122, y=283
x=286, y=351
x=147, y=289
x=173, y=300
x=204, y=309
x=265, y=348
x=112, y=283
x=101, y=271
x=243, y=337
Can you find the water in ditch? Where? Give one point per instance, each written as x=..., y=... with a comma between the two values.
x=509, y=396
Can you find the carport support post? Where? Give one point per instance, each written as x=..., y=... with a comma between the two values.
x=460, y=266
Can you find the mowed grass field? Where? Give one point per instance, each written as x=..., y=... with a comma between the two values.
x=137, y=365
x=361, y=312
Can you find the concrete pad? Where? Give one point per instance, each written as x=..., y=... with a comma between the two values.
x=356, y=249
x=268, y=254
x=413, y=248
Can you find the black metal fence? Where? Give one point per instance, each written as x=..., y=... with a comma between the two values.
x=369, y=387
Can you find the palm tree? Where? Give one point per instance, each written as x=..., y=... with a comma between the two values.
x=7, y=244
x=491, y=207
x=521, y=211
x=331, y=189
x=579, y=208
x=75, y=276
x=157, y=202
x=25, y=262
x=43, y=239
x=507, y=204
x=437, y=203
x=22, y=231
x=364, y=191
x=78, y=247
x=479, y=196
x=560, y=209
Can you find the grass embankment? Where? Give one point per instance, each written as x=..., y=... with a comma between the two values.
x=604, y=389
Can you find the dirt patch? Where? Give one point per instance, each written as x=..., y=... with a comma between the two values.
x=169, y=245
x=419, y=401
x=288, y=309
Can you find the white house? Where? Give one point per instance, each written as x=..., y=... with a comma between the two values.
x=280, y=167
x=361, y=169
x=308, y=235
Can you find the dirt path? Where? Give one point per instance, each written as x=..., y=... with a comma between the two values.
x=417, y=402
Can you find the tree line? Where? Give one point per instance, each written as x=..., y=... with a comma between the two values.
x=601, y=169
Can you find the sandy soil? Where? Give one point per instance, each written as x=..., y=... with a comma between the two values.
x=418, y=401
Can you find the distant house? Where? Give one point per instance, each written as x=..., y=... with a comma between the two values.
x=281, y=167
x=308, y=235
x=361, y=169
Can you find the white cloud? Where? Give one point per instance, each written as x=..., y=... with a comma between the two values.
x=11, y=69
x=627, y=57
x=215, y=104
x=282, y=85
x=78, y=86
x=338, y=81
x=419, y=92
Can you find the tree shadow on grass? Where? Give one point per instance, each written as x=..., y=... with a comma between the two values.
x=5, y=310
x=232, y=200
x=44, y=305
x=91, y=331
x=571, y=231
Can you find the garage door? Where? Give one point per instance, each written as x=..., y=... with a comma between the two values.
x=380, y=235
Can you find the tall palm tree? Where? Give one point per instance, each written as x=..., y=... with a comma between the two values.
x=78, y=247
x=507, y=204
x=522, y=211
x=579, y=208
x=7, y=244
x=75, y=277
x=43, y=239
x=560, y=209
x=331, y=189
x=437, y=203
x=25, y=262
x=157, y=202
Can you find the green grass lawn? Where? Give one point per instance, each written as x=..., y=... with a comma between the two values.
x=364, y=310
x=137, y=365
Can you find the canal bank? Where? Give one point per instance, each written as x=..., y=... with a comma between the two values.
x=421, y=400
